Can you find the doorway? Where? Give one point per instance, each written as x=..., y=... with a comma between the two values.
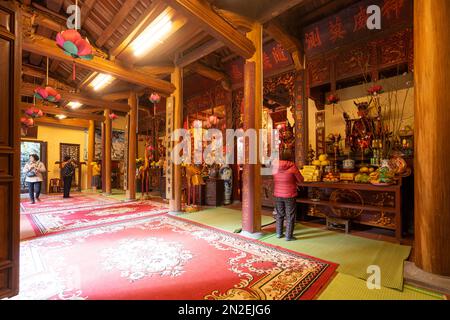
x=28, y=147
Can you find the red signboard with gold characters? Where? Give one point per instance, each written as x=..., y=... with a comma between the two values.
x=350, y=24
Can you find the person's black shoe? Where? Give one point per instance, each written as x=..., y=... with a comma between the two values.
x=279, y=236
x=291, y=239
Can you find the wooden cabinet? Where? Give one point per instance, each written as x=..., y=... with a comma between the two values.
x=364, y=204
x=10, y=62
x=215, y=192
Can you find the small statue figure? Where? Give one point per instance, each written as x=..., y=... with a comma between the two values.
x=363, y=128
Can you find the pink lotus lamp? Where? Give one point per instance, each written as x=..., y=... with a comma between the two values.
x=74, y=45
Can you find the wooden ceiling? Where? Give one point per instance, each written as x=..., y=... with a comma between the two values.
x=194, y=42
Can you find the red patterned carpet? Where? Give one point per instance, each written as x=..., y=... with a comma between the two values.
x=164, y=257
x=69, y=219
x=51, y=203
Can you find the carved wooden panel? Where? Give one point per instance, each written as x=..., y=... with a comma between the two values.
x=319, y=71
x=5, y=20
x=354, y=61
x=71, y=150
x=394, y=50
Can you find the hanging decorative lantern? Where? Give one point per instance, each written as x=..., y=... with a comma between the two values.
x=333, y=100
x=47, y=94
x=75, y=46
x=113, y=116
x=155, y=98
x=26, y=122
x=34, y=112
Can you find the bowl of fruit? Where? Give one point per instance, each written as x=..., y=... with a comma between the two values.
x=330, y=177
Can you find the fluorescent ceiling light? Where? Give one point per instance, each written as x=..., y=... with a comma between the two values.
x=102, y=80
x=152, y=35
x=74, y=104
x=61, y=116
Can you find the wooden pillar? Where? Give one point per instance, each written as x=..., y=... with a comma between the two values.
x=91, y=152
x=301, y=119
x=253, y=104
x=107, y=165
x=132, y=146
x=432, y=129
x=177, y=80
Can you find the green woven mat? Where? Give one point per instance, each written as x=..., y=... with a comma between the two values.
x=353, y=254
x=345, y=287
x=222, y=218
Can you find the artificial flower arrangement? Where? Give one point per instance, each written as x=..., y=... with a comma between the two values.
x=375, y=90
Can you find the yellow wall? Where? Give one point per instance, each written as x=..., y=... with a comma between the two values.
x=334, y=122
x=56, y=135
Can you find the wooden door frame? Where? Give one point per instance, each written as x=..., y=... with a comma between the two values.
x=44, y=160
x=10, y=154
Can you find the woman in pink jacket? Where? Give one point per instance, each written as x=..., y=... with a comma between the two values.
x=286, y=179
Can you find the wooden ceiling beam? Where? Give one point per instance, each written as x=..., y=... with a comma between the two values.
x=47, y=47
x=40, y=73
x=278, y=9
x=156, y=69
x=238, y=21
x=86, y=10
x=199, y=53
x=207, y=72
x=116, y=22
x=201, y=12
x=69, y=113
x=291, y=44
x=122, y=95
x=27, y=89
x=72, y=123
